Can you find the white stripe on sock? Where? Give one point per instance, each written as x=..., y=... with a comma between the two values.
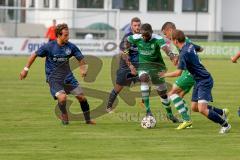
x=182, y=110
x=166, y=101
x=144, y=87
x=179, y=104
x=173, y=97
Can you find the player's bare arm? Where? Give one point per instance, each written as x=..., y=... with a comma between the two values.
x=83, y=67
x=173, y=57
x=176, y=73
x=30, y=61
x=235, y=58
x=125, y=57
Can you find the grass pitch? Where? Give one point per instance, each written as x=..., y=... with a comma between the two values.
x=30, y=130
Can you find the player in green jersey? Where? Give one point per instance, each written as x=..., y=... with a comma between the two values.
x=184, y=83
x=150, y=64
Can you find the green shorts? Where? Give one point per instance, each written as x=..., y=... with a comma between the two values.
x=185, y=81
x=153, y=73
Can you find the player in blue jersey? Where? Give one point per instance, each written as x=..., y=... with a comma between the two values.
x=58, y=73
x=124, y=75
x=201, y=95
x=184, y=83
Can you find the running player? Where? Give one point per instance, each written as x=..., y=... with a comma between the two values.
x=184, y=83
x=124, y=75
x=201, y=96
x=150, y=63
x=58, y=74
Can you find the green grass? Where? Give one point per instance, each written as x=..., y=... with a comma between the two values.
x=30, y=130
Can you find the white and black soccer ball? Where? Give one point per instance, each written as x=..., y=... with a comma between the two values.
x=148, y=122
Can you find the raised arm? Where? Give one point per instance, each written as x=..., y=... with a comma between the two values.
x=30, y=61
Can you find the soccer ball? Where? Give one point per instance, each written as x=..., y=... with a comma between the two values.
x=148, y=122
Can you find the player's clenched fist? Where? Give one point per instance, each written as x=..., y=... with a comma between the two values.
x=23, y=73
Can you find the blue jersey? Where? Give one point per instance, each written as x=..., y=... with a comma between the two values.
x=133, y=52
x=189, y=60
x=57, y=59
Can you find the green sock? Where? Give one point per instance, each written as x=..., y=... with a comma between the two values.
x=180, y=106
x=186, y=107
x=166, y=105
x=145, y=96
x=146, y=104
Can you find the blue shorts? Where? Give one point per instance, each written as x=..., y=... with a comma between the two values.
x=66, y=86
x=202, y=90
x=125, y=78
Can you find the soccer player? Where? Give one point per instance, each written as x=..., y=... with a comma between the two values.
x=124, y=75
x=58, y=74
x=51, y=32
x=235, y=58
x=201, y=95
x=183, y=83
x=150, y=63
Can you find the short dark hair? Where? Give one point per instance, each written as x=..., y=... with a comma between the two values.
x=168, y=25
x=178, y=35
x=61, y=27
x=146, y=28
x=135, y=19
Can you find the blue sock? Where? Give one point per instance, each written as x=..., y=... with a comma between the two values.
x=85, y=109
x=112, y=97
x=62, y=107
x=219, y=111
x=212, y=115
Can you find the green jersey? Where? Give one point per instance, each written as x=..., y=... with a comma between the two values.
x=149, y=52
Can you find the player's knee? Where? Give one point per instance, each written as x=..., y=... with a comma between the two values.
x=172, y=91
x=62, y=98
x=194, y=108
x=175, y=90
x=182, y=94
x=203, y=110
x=81, y=98
x=118, y=88
x=162, y=94
x=144, y=78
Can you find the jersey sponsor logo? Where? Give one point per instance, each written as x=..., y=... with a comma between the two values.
x=148, y=52
x=60, y=59
x=68, y=51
